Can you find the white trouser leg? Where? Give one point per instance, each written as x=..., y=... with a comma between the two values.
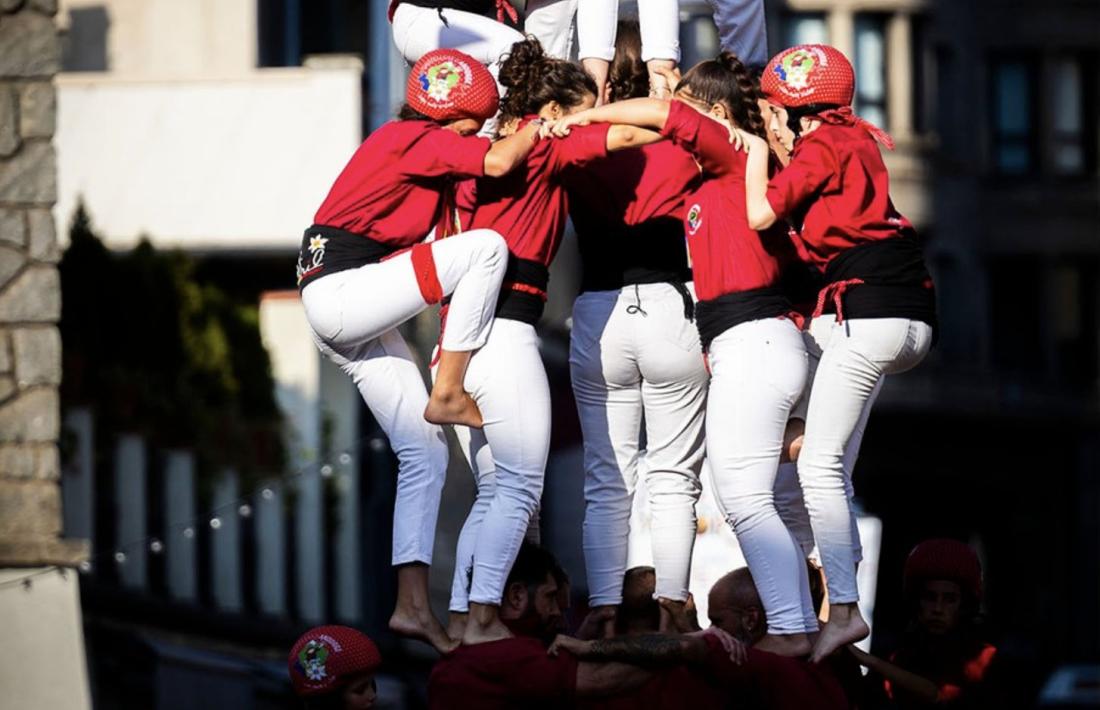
x=742, y=30
x=607, y=389
x=507, y=380
x=660, y=26
x=389, y=380
x=597, y=22
x=551, y=22
x=857, y=354
x=476, y=450
x=350, y=307
x=758, y=370
x=674, y=397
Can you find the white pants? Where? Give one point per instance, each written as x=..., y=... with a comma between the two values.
x=659, y=20
x=855, y=356
x=742, y=29
x=552, y=23
x=635, y=358
x=508, y=456
x=354, y=315
x=758, y=372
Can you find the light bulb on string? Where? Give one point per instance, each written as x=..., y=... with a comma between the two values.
x=377, y=445
x=156, y=546
x=345, y=458
x=85, y=566
x=215, y=523
x=245, y=511
x=326, y=471
x=189, y=533
x=267, y=494
x=120, y=557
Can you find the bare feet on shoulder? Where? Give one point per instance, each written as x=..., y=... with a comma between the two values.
x=845, y=626
x=453, y=407
x=422, y=626
x=476, y=633
x=456, y=624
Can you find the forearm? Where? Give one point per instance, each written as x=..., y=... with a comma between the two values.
x=643, y=113
x=507, y=153
x=608, y=679
x=759, y=210
x=653, y=649
x=622, y=137
x=598, y=69
x=919, y=686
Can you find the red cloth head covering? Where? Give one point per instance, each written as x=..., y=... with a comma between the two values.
x=817, y=74
x=447, y=85
x=326, y=657
x=944, y=559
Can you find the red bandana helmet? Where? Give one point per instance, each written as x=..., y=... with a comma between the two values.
x=325, y=658
x=809, y=74
x=947, y=560
x=447, y=85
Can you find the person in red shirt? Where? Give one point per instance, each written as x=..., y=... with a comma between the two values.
x=507, y=378
x=943, y=661
x=634, y=352
x=757, y=356
x=363, y=270
x=876, y=314
x=515, y=671
x=333, y=667
x=748, y=678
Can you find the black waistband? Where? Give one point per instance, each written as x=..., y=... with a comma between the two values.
x=717, y=315
x=328, y=250
x=520, y=303
x=479, y=7
x=895, y=281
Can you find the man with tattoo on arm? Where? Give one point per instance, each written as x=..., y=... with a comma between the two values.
x=751, y=678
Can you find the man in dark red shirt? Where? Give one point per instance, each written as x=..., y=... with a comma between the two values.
x=516, y=672
x=763, y=680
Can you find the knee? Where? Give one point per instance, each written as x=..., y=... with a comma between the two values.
x=491, y=245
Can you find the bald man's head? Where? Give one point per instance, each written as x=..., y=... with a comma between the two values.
x=639, y=611
x=734, y=606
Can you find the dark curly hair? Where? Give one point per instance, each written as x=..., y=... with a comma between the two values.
x=627, y=77
x=532, y=79
x=726, y=80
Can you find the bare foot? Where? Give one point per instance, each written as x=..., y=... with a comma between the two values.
x=423, y=626
x=456, y=624
x=453, y=407
x=845, y=626
x=476, y=633
x=792, y=646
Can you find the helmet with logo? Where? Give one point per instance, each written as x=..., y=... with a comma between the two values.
x=447, y=85
x=325, y=658
x=944, y=559
x=809, y=74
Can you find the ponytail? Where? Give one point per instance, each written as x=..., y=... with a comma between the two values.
x=726, y=80
x=532, y=79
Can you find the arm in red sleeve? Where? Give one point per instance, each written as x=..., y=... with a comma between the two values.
x=703, y=137
x=583, y=145
x=813, y=165
x=440, y=152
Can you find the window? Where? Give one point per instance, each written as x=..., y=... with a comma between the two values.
x=1016, y=307
x=870, y=66
x=1073, y=302
x=805, y=28
x=1013, y=116
x=1073, y=106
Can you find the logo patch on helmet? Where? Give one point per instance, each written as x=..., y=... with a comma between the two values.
x=795, y=69
x=694, y=218
x=440, y=79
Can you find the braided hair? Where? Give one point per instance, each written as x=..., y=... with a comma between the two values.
x=726, y=80
x=627, y=77
x=533, y=79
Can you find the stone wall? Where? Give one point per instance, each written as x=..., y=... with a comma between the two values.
x=30, y=290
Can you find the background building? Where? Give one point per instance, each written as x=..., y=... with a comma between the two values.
x=217, y=127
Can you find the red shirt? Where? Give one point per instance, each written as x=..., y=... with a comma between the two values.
x=676, y=687
x=727, y=255
x=391, y=189
x=528, y=205
x=766, y=680
x=507, y=674
x=633, y=186
x=837, y=188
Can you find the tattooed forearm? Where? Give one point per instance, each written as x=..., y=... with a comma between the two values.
x=648, y=648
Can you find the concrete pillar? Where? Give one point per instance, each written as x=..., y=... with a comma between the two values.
x=130, y=497
x=842, y=31
x=341, y=402
x=78, y=478
x=899, y=75
x=309, y=558
x=181, y=553
x=225, y=542
x=267, y=506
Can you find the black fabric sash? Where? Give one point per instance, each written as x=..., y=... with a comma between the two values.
x=717, y=315
x=328, y=250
